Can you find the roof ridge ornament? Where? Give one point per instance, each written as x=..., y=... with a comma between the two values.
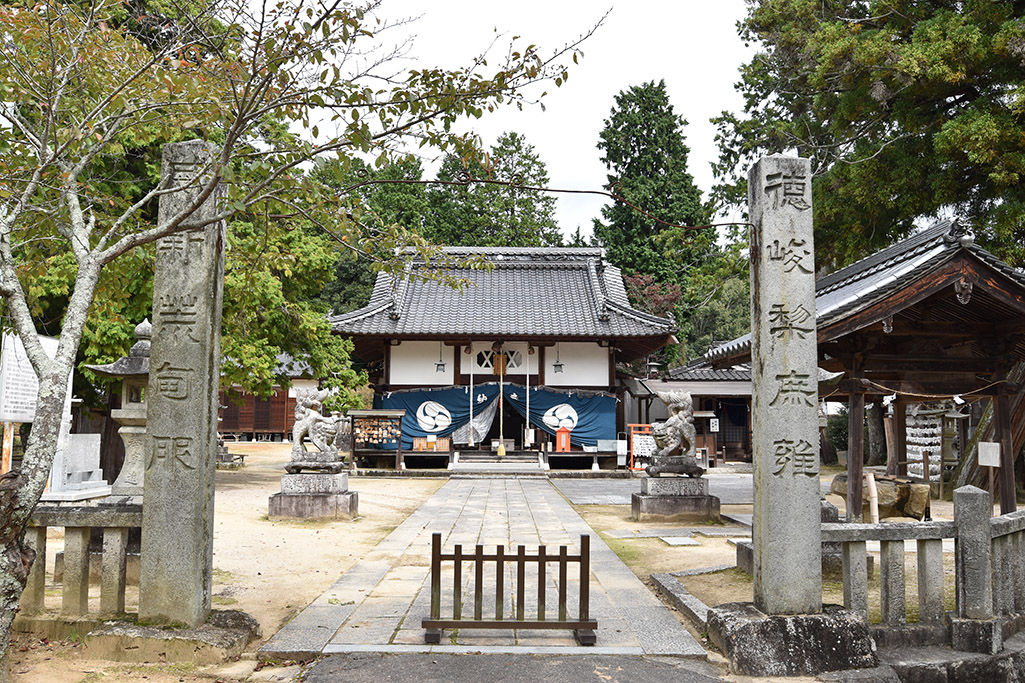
x=959, y=232
x=398, y=291
x=600, y=300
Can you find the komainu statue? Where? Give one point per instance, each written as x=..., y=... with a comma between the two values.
x=676, y=433
x=324, y=432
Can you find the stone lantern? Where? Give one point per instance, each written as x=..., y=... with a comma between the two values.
x=133, y=370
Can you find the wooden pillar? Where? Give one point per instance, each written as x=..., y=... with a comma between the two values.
x=900, y=437
x=855, y=445
x=1003, y=434
x=855, y=455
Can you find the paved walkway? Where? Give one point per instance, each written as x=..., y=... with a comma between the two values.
x=378, y=604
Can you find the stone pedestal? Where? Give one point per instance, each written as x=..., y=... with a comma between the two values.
x=795, y=645
x=682, y=499
x=314, y=496
x=76, y=473
x=129, y=481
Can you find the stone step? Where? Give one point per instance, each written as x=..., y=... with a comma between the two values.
x=512, y=456
x=483, y=469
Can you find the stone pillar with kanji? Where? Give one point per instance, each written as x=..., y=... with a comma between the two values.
x=176, y=562
x=784, y=373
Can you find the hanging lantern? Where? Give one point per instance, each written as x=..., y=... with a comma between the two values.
x=440, y=365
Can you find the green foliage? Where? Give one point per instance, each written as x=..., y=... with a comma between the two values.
x=379, y=198
x=837, y=429
x=645, y=153
x=160, y=72
x=492, y=215
x=272, y=276
x=723, y=316
x=907, y=110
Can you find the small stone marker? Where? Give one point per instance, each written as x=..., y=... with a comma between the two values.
x=181, y=441
x=786, y=532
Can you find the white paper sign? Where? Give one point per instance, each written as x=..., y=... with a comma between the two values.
x=18, y=383
x=713, y=424
x=989, y=454
x=643, y=445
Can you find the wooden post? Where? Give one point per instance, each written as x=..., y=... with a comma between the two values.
x=433, y=635
x=8, y=452
x=521, y=565
x=457, y=583
x=499, y=582
x=563, y=553
x=1003, y=433
x=855, y=449
x=478, y=582
x=900, y=437
x=542, y=578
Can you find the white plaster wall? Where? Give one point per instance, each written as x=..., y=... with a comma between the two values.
x=413, y=362
x=521, y=347
x=584, y=364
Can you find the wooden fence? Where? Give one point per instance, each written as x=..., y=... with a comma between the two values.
x=583, y=626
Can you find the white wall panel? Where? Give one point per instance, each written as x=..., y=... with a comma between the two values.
x=413, y=362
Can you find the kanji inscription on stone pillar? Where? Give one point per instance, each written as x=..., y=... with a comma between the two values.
x=181, y=441
x=786, y=532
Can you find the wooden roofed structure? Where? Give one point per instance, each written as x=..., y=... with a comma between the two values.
x=931, y=317
x=541, y=326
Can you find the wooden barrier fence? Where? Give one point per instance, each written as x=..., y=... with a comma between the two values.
x=583, y=626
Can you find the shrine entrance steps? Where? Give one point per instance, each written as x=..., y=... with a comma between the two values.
x=488, y=463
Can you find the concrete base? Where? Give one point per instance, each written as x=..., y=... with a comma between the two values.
x=799, y=645
x=315, y=505
x=976, y=635
x=944, y=665
x=72, y=495
x=223, y=637
x=693, y=507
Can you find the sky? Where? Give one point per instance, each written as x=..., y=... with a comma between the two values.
x=691, y=44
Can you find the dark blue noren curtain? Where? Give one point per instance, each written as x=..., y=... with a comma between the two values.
x=589, y=418
x=442, y=411
x=435, y=411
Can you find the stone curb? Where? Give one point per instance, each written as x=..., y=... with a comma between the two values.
x=669, y=586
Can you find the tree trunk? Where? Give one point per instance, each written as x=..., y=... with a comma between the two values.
x=827, y=453
x=15, y=563
x=876, y=435
x=21, y=489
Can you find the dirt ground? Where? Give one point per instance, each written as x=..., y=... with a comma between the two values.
x=273, y=569
x=269, y=569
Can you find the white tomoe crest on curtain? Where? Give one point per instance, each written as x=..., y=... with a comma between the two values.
x=562, y=415
x=433, y=417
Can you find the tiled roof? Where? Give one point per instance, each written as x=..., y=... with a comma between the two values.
x=874, y=278
x=701, y=371
x=530, y=292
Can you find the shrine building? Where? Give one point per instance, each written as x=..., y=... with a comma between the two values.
x=523, y=350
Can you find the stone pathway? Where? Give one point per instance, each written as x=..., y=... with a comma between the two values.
x=377, y=606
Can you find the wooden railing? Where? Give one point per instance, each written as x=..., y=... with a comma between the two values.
x=77, y=523
x=583, y=626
